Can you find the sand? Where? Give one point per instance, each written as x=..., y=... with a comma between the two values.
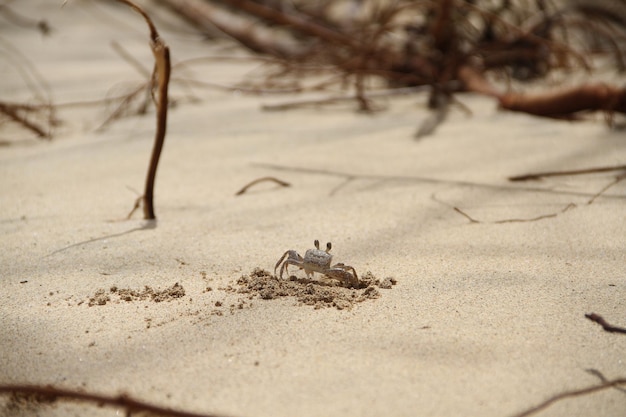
x=492, y=278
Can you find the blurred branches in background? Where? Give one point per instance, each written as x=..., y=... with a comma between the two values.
x=554, y=58
x=446, y=46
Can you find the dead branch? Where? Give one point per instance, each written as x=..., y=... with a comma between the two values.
x=50, y=393
x=563, y=104
x=532, y=219
x=602, y=378
x=566, y=103
x=514, y=220
x=615, y=181
x=209, y=17
x=345, y=51
x=38, y=86
x=441, y=47
x=13, y=112
x=341, y=98
x=596, y=318
x=584, y=171
x=125, y=102
x=572, y=394
x=293, y=21
x=464, y=214
x=264, y=179
x=162, y=73
x=347, y=177
x=161, y=77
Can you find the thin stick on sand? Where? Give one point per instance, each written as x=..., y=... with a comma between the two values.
x=263, y=179
x=160, y=75
x=596, y=318
x=571, y=394
x=47, y=394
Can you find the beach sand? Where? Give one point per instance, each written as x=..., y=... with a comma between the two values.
x=484, y=283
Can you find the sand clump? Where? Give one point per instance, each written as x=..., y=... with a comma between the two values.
x=101, y=296
x=259, y=283
x=319, y=294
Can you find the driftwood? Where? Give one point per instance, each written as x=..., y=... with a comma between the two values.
x=566, y=103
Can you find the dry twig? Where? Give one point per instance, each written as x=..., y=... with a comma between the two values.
x=539, y=175
x=51, y=393
x=19, y=114
x=572, y=394
x=161, y=77
x=264, y=179
x=39, y=118
x=531, y=219
x=596, y=318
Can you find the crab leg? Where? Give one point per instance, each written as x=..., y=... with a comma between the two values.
x=347, y=268
x=292, y=258
x=346, y=271
x=280, y=260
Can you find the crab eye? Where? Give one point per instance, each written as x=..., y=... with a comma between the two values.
x=317, y=243
x=328, y=247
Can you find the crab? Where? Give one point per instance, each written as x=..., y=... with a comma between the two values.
x=317, y=260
